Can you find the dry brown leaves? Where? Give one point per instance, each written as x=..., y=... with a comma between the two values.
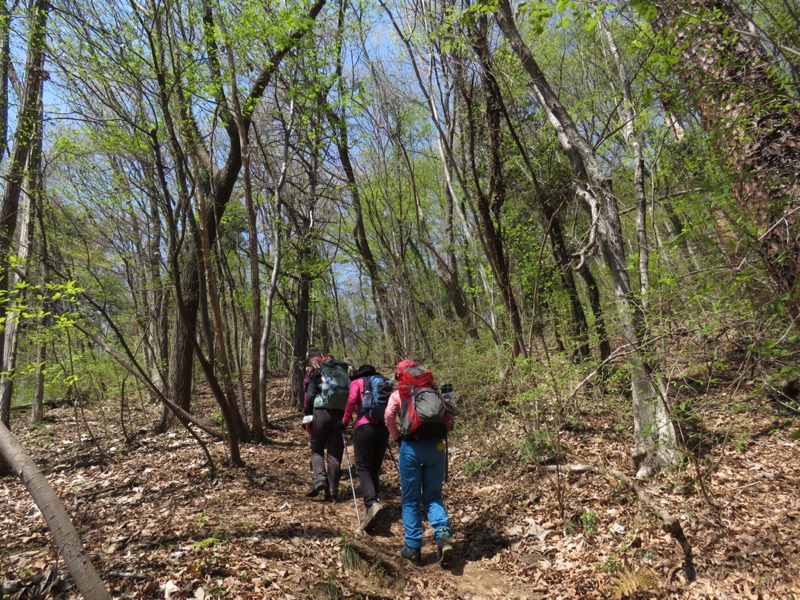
x=158, y=526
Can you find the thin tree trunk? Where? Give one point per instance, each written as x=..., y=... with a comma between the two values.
x=628, y=116
x=490, y=201
x=593, y=291
x=300, y=345
x=182, y=353
x=5, y=68
x=34, y=192
x=24, y=141
x=268, y=305
x=277, y=243
x=252, y=249
x=12, y=324
x=159, y=317
x=37, y=405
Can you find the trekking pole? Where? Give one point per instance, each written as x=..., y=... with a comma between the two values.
x=352, y=485
x=391, y=455
x=446, y=460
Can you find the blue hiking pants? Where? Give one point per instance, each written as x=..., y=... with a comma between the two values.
x=422, y=467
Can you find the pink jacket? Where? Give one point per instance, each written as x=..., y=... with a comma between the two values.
x=354, y=403
x=391, y=414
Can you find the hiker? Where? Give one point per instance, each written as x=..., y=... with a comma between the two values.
x=326, y=397
x=422, y=460
x=369, y=395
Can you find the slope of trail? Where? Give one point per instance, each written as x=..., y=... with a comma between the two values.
x=157, y=526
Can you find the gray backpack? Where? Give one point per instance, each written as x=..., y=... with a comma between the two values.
x=335, y=385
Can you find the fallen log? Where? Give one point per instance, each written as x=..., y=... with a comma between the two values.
x=48, y=403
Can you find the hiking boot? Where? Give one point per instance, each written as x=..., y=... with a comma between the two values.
x=372, y=512
x=316, y=488
x=412, y=555
x=444, y=550
x=331, y=497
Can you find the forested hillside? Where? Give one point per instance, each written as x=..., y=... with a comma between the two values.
x=583, y=215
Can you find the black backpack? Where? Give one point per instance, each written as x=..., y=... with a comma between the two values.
x=377, y=390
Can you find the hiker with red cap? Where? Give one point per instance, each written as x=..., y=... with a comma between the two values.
x=425, y=420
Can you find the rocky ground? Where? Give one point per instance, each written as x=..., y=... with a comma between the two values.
x=158, y=526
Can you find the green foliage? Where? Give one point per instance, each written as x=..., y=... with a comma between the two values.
x=204, y=543
x=611, y=564
x=201, y=520
x=741, y=440
x=474, y=368
x=588, y=520
x=541, y=446
x=474, y=466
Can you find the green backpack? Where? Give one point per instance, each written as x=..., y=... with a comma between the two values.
x=335, y=385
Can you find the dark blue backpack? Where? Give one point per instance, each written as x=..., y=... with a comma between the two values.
x=377, y=390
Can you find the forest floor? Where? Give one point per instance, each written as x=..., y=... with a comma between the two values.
x=157, y=526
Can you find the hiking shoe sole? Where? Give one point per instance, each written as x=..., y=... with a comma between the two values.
x=445, y=555
x=316, y=489
x=371, y=521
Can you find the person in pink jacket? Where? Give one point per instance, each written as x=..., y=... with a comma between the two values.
x=370, y=435
x=422, y=462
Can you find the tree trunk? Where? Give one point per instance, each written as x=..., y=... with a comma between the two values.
x=491, y=200
x=300, y=345
x=277, y=255
x=182, y=353
x=267, y=326
x=8, y=364
x=252, y=249
x=66, y=537
x=34, y=193
x=159, y=300
x=5, y=69
x=37, y=405
x=28, y=124
x=754, y=120
x=593, y=291
x=628, y=115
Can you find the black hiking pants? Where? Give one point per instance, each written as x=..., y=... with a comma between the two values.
x=370, y=441
x=326, y=434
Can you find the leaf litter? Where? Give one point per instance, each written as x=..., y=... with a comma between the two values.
x=157, y=526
